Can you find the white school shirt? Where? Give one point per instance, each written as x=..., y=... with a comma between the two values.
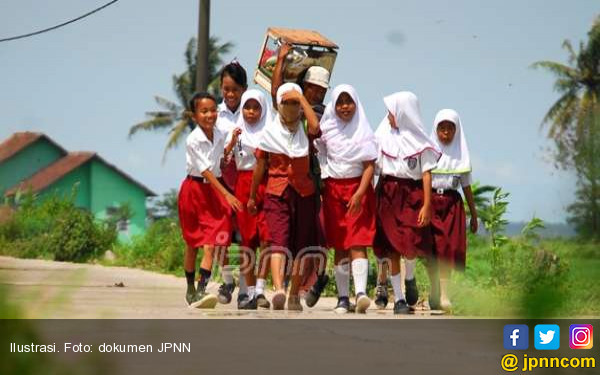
x=341, y=168
x=243, y=154
x=202, y=154
x=226, y=120
x=398, y=167
x=450, y=181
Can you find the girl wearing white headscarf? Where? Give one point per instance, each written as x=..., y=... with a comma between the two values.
x=448, y=222
x=406, y=157
x=290, y=206
x=241, y=144
x=348, y=149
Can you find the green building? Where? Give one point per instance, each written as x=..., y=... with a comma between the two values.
x=34, y=162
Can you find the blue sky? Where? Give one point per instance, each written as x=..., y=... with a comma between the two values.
x=85, y=84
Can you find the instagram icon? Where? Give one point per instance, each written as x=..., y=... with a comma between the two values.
x=581, y=336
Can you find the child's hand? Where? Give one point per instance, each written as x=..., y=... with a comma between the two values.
x=424, y=217
x=474, y=224
x=284, y=49
x=234, y=202
x=292, y=95
x=236, y=133
x=252, y=207
x=354, y=205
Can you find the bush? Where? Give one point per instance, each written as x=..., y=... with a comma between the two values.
x=76, y=237
x=160, y=248
x=53, y=227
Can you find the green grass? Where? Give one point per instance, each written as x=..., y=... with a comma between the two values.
x=525, y=285
x=531, y=278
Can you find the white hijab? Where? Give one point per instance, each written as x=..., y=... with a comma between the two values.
x=349, y=142
x=277, y=138
x=455, y=156
x=409, y=138
x=251, y=134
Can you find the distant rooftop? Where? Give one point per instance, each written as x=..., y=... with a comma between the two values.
x=19, y=141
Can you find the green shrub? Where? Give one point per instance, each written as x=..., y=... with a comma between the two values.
x=76, y=237
x=161, y=248
x=53, y=227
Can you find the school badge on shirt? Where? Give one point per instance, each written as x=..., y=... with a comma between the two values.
x=455, y=181
x=412, y=162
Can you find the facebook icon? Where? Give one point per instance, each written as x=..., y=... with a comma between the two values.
x=516, y=337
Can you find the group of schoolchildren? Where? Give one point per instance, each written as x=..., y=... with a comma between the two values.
x=294, y=178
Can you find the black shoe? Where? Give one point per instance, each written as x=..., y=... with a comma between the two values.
x=241, y=298
x=190, y=293
x=412, y=293
x=248, y=303
x=263, y=302
x=352, y=308
x=225, y=291
x=343, y=305
x=312, y=296
x=381, y=296
x=400, y=307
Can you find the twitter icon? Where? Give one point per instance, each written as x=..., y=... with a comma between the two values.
x=547, y=337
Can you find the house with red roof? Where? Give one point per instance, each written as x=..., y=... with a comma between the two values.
x=34, y=162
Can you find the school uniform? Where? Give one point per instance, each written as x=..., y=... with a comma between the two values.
x=226, y=122
x=204, y=214
x=290, y=206
x=405, y=153
x=343, y=148
x=253, y=228
x=452, y=172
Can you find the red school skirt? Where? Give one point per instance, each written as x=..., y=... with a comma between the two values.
x=399, y=202
x=343, y=230
x=229, y=173
x=448, y=225
x=253, y=228
x=204, y=214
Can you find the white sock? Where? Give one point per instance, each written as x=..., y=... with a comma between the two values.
x=360, y=270
x=342, y=279
x=243, y=287
x=251, y=291
x=260, y=286
x=397, y=285
x=409, y=266
x=227, y=274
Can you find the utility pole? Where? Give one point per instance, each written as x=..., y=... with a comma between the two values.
x=203, y=36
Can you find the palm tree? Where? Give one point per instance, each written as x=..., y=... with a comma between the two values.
x=579, y=85
x=481, y=197
x=574, y=125
x=175, y=115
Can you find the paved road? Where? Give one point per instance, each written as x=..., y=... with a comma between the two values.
x=47, y=289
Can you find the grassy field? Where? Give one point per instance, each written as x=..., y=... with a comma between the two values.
x=531, y=278
x=523, y=276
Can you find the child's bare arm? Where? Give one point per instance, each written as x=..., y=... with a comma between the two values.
x=425, y=213
x=232, y=200
x=257, y=177
x=234, y=137
x=277, y=78
x=472, y=208
x=354, y=204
